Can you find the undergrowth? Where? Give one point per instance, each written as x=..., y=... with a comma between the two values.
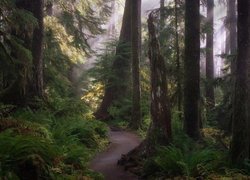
x=187, y=159
x=56, y=141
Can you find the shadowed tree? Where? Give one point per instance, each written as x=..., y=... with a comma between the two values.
x=232, y=26
x=178, y=63
x=37, y=49
x=159, y=132
x=135, y=44
x=35, y=44
x=29, y=79
x=192, y=69
x=241, y=117
x=210, y=55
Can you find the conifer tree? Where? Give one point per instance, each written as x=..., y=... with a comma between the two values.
x=192, y=69
x=159, y=132
x=210, y=55
x=117, y=87
x=241, y=117
x=135, y=45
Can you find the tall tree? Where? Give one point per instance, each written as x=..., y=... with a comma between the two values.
x=232, y=26
x=210, y=54
x=29, y=81
x=117, y=86
x=162, y=14
x=135, y=45
x=37, y=49
x=35, y=44
x=159, y=132
x=241, y=104
x=192, y=69
x=178, y=63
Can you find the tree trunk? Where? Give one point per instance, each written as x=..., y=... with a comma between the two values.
x=26, y=87
x=160, y=129
x=210, y=55
x=162, y=14
x=136, y=92
x=117, y=87
x=37, y=48
x=178, y=63
x=241, y=105
x=232, y=22
x=192, y=69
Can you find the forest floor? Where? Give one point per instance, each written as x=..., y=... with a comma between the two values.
x=106, y=162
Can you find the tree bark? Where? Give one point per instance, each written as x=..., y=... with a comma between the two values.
x=241, y=104
x=162, y=14
x=160, y=129
x=192, y=69
x=25, y=88
x=178, y=63
x=117, y=87
x=135, y=44
x=232, y=23
x=210, y=55
x=37, y=48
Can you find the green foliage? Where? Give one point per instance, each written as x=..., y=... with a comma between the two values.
x=172, y=161
x=121, y=110
x=20, y=151
x=57, y=141
x=15, y=61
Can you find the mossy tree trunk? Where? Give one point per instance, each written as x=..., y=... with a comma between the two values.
x=210, y=55
x=241, y=104
x=117, y=87
x=29, y=81
x=135, y=44
x=160, y=129
x=192, y=69
x=37, y=49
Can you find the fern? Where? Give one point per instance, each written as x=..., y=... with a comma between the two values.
x=172, y=161
x=18, y=150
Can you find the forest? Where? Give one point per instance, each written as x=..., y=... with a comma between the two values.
x=124, y=89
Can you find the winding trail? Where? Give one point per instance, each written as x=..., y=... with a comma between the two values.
x=106, y=162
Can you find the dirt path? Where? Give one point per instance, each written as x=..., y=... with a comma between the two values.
x=106, y=162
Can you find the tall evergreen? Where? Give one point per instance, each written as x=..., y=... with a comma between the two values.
x=135, y=45
x=241, y=117
x=159, y=132
x=210, y=54
x=192, y=69
x=177, y=56
x=117, y=86
x=232, y=26
x=37, y=49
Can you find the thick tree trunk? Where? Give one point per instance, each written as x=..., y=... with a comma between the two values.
x=192, y=69
x=136, y=92
x=117, y=87
x=24, y=87
x=160, y=129
x=37, y=48
x=210, y=55
x=241, y=105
